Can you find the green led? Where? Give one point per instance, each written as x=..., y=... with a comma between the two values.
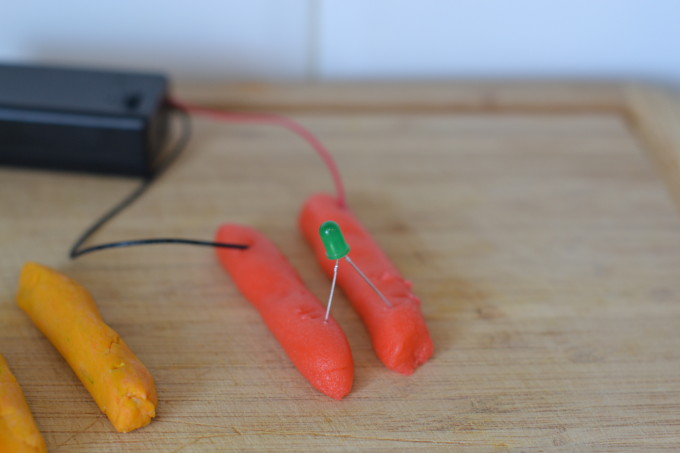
x=333, y=241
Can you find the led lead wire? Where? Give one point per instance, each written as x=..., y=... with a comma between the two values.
x=337, y=248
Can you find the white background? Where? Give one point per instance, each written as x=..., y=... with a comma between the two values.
x=303, y=40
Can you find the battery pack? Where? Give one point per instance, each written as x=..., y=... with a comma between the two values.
x=82, y=119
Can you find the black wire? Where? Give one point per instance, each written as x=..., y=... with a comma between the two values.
x=113, y=245
x=174, y=152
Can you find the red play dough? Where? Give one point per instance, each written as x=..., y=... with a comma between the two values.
x=318, y=349
x=399, y=334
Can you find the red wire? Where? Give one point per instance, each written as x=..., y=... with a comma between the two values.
x=263, y=118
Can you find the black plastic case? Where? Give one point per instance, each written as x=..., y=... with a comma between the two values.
x=82, y=120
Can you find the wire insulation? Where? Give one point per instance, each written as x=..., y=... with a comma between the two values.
x=183, y=110
x=263, y=118
x=173, y=153
x=134, y=242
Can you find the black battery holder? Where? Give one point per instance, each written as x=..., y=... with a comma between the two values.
x=82, y=119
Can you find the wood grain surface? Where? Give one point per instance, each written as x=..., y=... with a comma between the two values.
x=536, y=229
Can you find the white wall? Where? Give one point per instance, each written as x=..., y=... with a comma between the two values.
x=352, y=39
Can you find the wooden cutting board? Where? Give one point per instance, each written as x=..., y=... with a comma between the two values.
x=534, y=221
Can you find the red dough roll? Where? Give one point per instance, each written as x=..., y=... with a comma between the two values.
x=318, y=349
x=398, y=332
